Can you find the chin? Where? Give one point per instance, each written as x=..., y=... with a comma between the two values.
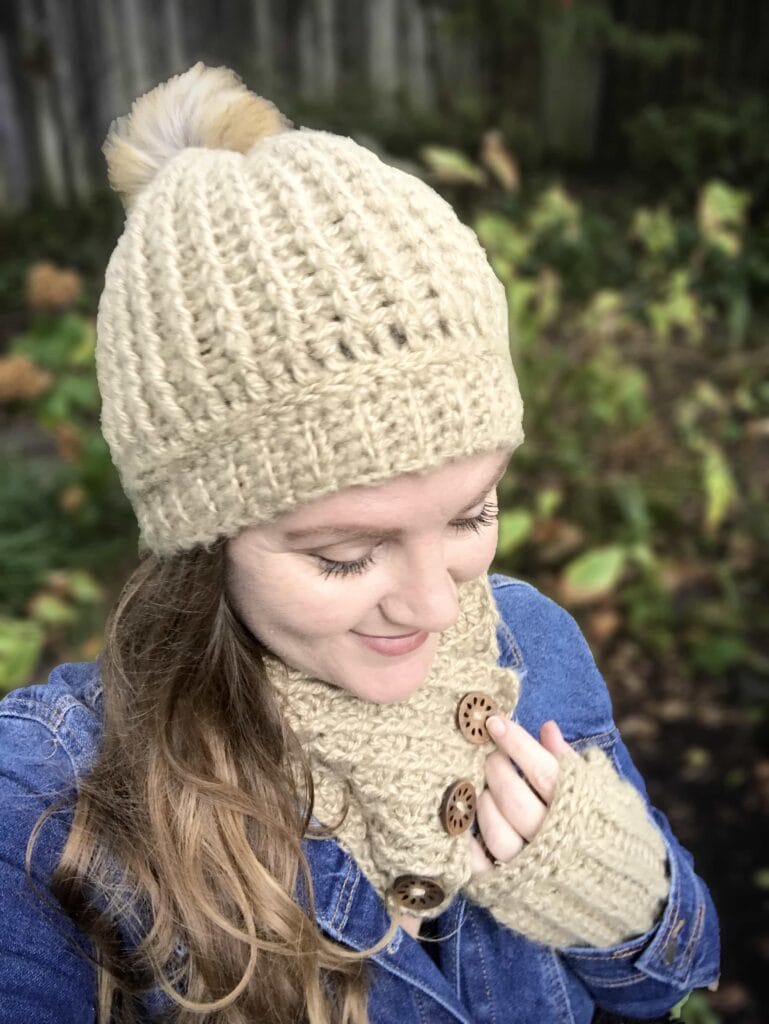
x=392, y=696
x=397, y=683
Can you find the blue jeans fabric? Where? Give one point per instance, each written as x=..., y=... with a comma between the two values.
x=481, y=972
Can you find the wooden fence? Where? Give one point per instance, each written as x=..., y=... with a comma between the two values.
x=67, y=67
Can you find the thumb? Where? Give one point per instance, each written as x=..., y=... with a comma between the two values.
x=551, y=738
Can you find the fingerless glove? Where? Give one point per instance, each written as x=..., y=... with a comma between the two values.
x=594, y=875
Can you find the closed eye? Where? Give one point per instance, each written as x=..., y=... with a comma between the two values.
x=331, y=567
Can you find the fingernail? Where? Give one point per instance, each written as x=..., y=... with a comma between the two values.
x=496, y=725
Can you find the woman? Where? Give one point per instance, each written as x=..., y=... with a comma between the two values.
x=325, y=768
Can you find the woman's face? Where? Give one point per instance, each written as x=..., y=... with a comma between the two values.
x=368, y=562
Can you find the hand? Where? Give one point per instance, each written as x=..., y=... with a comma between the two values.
x=511, y=808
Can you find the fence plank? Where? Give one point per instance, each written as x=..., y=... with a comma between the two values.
x=14, y=167
x=36, y=46
x=64, y=77
x=59, y=24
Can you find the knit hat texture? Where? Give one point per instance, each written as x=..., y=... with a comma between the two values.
x=284, y=315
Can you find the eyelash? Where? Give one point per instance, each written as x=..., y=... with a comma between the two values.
x=485, y=517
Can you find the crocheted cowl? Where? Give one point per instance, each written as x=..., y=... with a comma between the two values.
x=594, y=875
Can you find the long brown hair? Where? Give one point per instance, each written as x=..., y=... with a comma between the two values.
x=188, y=829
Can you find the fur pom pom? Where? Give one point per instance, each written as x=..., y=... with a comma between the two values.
x=209, y=107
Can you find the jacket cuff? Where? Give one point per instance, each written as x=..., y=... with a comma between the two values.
x=595, y=873
x=678, y=954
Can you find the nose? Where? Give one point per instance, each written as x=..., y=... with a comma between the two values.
x=424, y=594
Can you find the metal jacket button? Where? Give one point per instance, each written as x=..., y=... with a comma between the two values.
x=416, y=892
x=473, y=710
x=458, y=807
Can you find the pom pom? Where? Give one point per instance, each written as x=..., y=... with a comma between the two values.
x=209, y=107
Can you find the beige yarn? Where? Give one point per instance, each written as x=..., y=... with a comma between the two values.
x=280, y=323
x=284, y=316
x=594, y=875
x=395, y=761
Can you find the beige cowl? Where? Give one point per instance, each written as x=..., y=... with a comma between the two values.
x=594, y=875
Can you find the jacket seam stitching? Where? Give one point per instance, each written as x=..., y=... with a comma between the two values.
x=52, y=732
x=353, y=887
x=484, y=974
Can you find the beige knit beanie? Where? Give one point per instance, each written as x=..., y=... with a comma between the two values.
x=283, y=316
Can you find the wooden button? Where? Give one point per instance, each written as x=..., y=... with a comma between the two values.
x=472, y=712
x=458, y=807
x=416, y=892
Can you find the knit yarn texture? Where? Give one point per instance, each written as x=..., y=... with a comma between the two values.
x=594, y=875
x=279, y=324
x=596, y=872
x=394, y=762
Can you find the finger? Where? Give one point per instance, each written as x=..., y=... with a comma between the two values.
x=519, y=805
x=538, y=765
x=479, y=862
x=552, y=739
x=502, y=840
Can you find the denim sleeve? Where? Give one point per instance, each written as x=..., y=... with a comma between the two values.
x=647, y=975
x=45, y=975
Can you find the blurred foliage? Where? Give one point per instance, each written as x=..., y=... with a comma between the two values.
x=76, y=237
x=63, y=518
x=638, y=339
x=714, y=133
x=590, y=21
x=639, y=496
x=695, y=1010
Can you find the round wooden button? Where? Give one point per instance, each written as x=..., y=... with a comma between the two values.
x=472, y=712
x=416, y=892
x=458, y=807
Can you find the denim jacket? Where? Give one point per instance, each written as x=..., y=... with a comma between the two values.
x=481, y=973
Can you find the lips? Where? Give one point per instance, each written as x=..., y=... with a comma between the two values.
x=383, y=636
x=393, y=645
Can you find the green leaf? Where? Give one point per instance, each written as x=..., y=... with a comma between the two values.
x=719, y=484
x=556, y=211
x=594, y=573
x=717, y=652
x=451, y=167
x=71, y=395
x=83, y=587
x=502, y=239
x=49, y=610
x=679, y=308
x=721, y=216
x=548, y=501
x=656, y=231
x=514, y=527
x=21, y=642
x=58, y=342
x=694, y=1010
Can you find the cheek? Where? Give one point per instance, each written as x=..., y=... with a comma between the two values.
x=300, y=602
x=477, y=554
x=330, y=607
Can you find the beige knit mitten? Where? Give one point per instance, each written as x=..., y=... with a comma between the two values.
x=594, y=875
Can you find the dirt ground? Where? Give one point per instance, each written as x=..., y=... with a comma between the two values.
x=706, y=763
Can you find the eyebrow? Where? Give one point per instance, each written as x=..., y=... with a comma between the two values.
x=356, y=531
